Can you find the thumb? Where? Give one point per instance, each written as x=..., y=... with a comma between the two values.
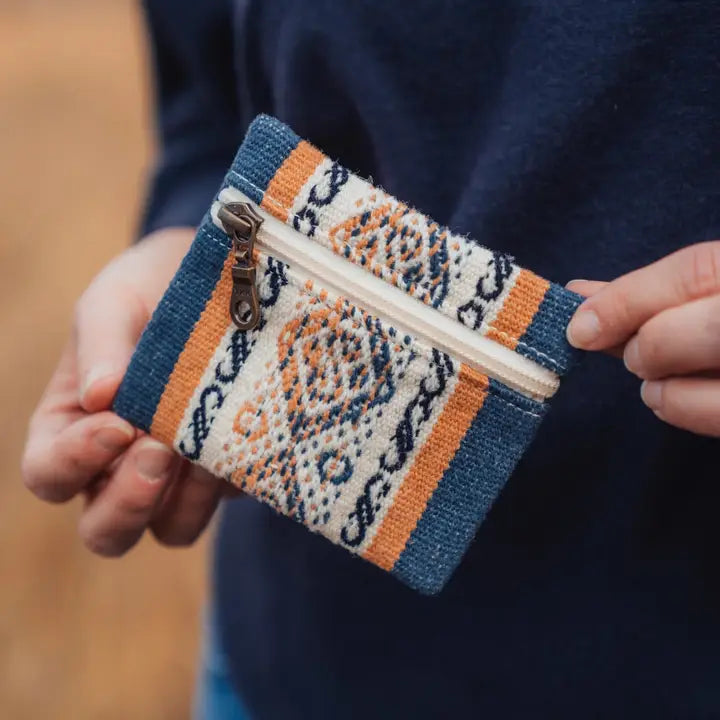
x=107, y=327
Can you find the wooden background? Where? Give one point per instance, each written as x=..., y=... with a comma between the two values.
x=80, y=637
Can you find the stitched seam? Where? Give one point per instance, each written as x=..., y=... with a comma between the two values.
x=485, y=326
x=502, y=400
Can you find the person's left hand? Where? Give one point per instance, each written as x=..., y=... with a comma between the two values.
x=77, y=446
x=664, y=319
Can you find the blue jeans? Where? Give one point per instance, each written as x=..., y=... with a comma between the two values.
x=215, y=697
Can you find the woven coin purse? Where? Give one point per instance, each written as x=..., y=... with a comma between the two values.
x=345, y=359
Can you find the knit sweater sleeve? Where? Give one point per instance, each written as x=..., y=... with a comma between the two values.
x=196, y=114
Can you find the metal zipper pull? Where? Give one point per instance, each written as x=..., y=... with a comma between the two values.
x=241, y=222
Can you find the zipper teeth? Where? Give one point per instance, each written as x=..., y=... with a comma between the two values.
x=408, y=315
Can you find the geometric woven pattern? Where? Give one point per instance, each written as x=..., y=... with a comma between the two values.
x=388, y=447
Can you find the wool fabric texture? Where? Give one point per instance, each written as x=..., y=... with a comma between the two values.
x=381, y=442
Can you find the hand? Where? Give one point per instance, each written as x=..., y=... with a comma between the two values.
x=665, y=321
x=76, y=445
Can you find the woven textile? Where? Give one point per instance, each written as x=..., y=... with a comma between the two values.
x=379, y=441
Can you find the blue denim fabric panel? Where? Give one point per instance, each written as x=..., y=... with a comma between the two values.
x=170, y=327
x=267, y=145
x=497, y=438
x=544, y=341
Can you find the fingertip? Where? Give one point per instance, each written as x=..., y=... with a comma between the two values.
x=586, y=288
x=651, y=392
x=190, y=506
x=99, y=386
x=584, y=329
x=632, y=357
x=154, y=461
x=116, y=517
x=115, y=435
x=58, y=465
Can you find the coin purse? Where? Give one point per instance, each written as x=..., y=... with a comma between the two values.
x=347, y=360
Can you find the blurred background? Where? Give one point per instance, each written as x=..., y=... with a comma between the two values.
x=80, y=637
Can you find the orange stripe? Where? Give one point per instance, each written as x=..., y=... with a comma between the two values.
x=519, y=309
x=194, y=358
x=289, y=179
x=429, y=466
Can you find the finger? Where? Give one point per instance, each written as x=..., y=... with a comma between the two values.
x=58, y=464
x=678, y=341
x=106, y=333
x=100, y=482
x=58, y=406
x=615, y=313
x=586, y=288
x=187, y=509
x=228, y=490
x=616, y=351
x=115, y=519
x=689, y=403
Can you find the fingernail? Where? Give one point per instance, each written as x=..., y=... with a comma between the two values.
x=115, y=436
x=583, y=329
x=97, y=372
x=651, y=394
x=154, y=461
x=572, y=282
x=631, y=356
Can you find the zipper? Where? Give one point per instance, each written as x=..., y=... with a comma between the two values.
x=251, y=228
x=242, y=222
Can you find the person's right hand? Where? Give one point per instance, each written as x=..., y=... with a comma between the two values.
x=663, y=320
x=75, y=444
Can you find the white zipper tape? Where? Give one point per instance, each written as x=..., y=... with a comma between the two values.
x=408, y=315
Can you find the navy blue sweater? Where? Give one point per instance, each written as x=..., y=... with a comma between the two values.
x=584, y=138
